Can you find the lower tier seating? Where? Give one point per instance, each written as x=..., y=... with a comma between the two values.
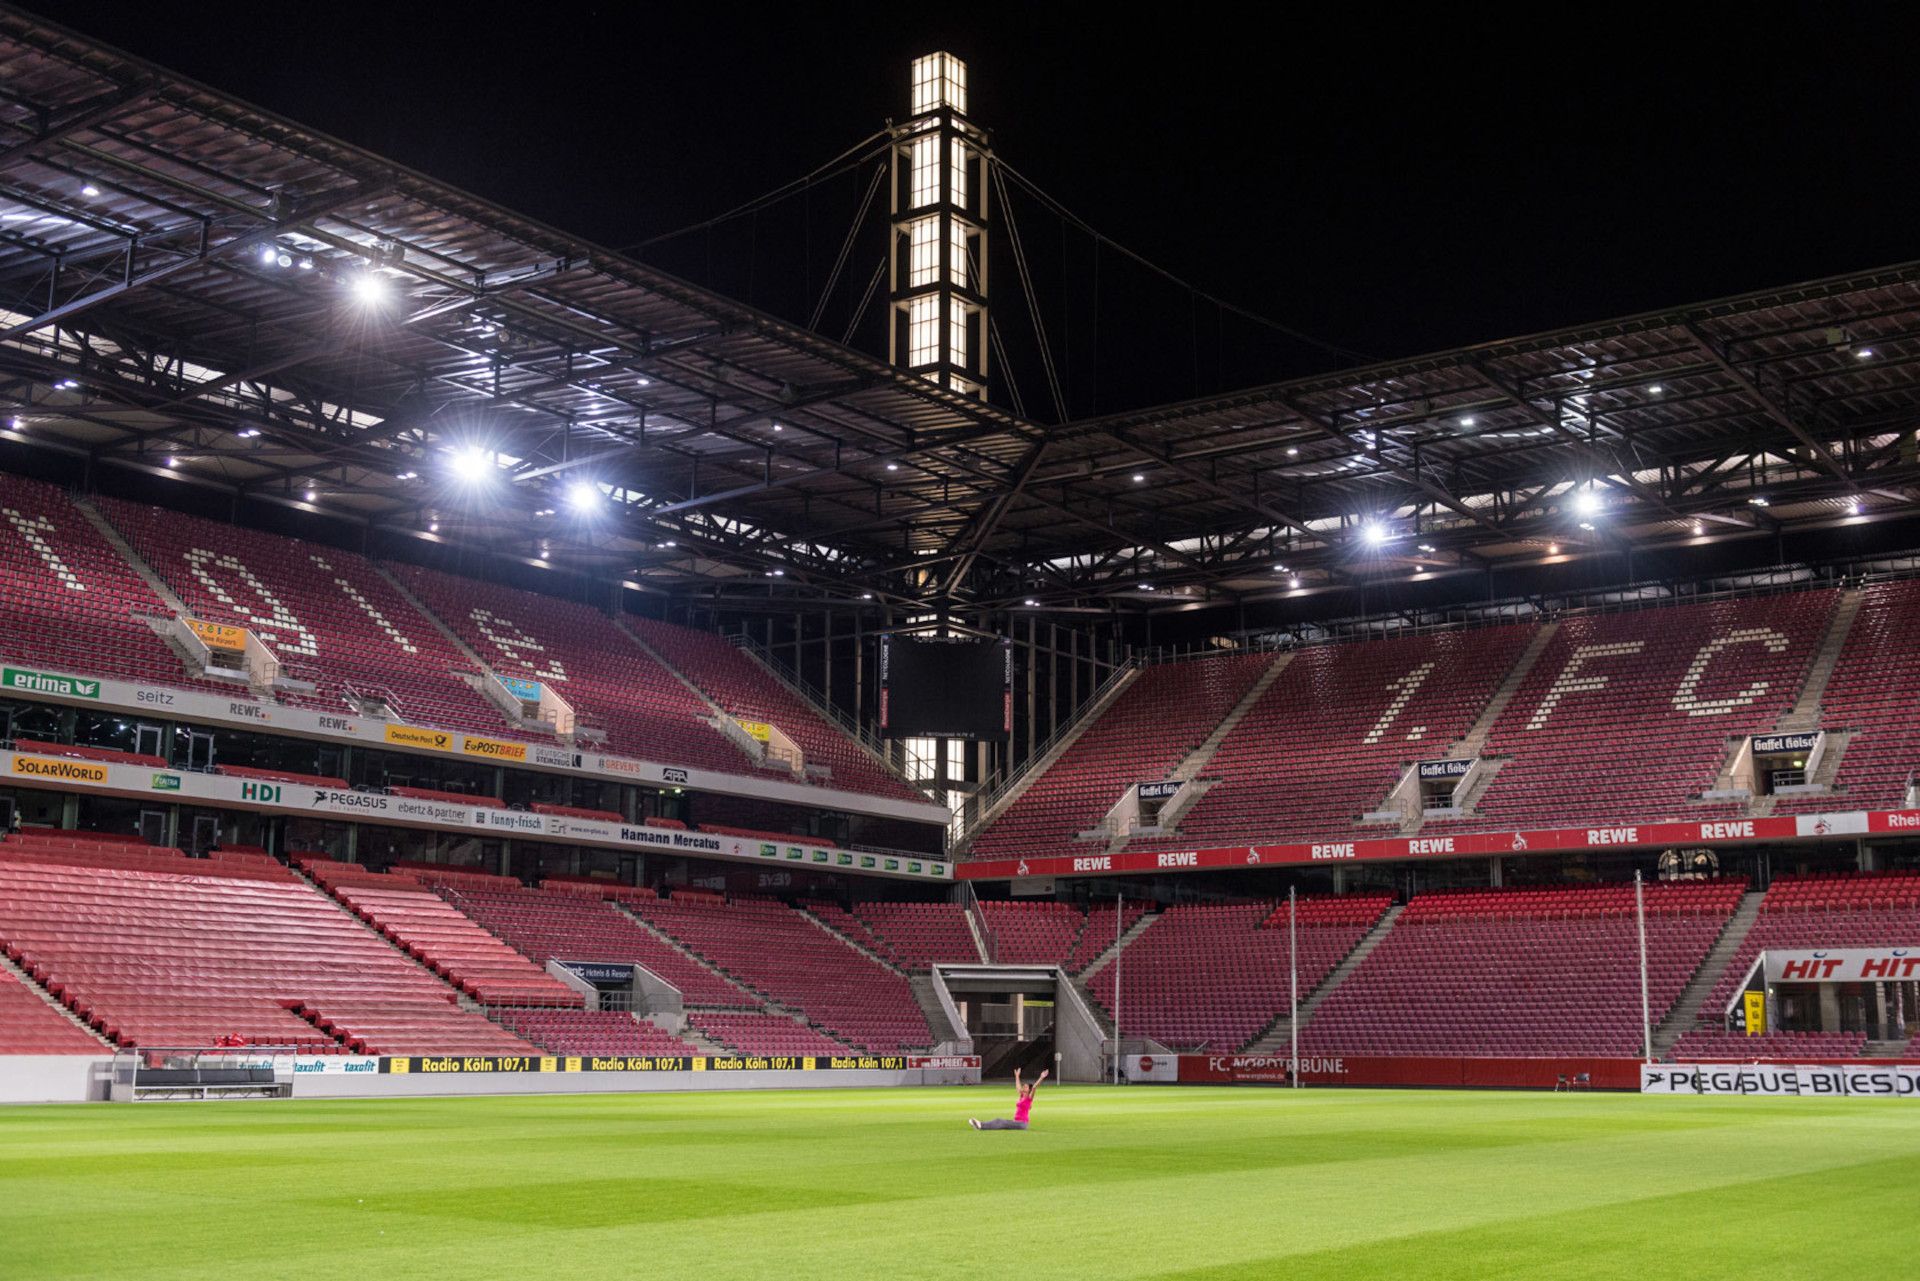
x=412, y=1027
x=1211, y=978
x=590, y=1032
x=1704, y=1045
x=1527, y=971
x=434, y=931
x=1852, y=910
x=764, y=1034
x=547, y=924
x=920, y=935
x=154, y=949
x=780, y=951
x=28, y=1025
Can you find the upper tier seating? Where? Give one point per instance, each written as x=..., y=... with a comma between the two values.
x=326, y=614
x=610, y=682
x=1799, y=912
x=779, y=951
x=589, y=1032
x=764, y=1034
x=1628, y=715
x=282, y=776
x=414, y=1026
x=156, y=949
x=1522, y=971
x=68, y=598
x=1874, y=691
x=1212, y=977
x=741, y=686
x=1166, y=712
x=547, y=924
x=918, y=935
x=1712, y=1045
x=1329, y=739
x=28, y=1025
x=576, y=811
x=430, y=928
x=1032, y=932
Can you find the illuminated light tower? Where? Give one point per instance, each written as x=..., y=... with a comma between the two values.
x=937, y=266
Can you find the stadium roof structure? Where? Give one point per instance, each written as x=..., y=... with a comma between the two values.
x=200, y=289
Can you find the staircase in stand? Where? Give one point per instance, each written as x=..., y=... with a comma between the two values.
x=1685, y=1013
x=1278, y=1038
x=1018, y=784
x=1805, y=713
x=1476, y=738
x=52, y=1002
x=1196, y=761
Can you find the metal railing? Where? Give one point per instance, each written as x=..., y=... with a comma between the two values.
x=1000, y=782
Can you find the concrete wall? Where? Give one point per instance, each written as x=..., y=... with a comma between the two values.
x=53, y=1078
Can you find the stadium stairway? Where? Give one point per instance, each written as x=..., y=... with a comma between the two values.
x=722, y=719
x=99, y=521
x=1805, y=712
x=1279, y=1035
x=811, y=912
x=54, y=1006
x=1039, y=765
x=1081, y=980
x=1685, y=1014
x=693, y=958
x=1196, y=762
x=942, y=1027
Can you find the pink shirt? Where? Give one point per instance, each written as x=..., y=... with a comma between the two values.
x=1023, y=1107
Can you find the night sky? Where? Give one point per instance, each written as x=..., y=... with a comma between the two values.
x=1387, y=184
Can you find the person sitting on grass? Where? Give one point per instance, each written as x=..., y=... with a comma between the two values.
x=1022, y=1108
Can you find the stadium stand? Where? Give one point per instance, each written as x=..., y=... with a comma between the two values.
x=72, y=752
x=1329, y=739
x=778, y=951
x=917, y=935
x=28, y=1025
x=69, y=600
x=440, y=936
x=610, y=682
x=1032, y=932
x=592, y=1032
x=1155, y=722
x=574, y=923
x=743, y=689
x=154, y=949
x=1709, y=1045
x=764, y=1034
x=1629, y=715
x=1212, y=977
x=1857, y=909
x=1522, y=971
x=1101, y=931
x=327, y=614
x=1874, y=693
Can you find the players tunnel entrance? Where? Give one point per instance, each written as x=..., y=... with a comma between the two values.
x=1025, y=1017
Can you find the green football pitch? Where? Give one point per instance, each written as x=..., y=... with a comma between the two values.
x=1157, y=1182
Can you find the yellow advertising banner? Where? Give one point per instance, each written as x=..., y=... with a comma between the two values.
x=759, y=731
x=218, y=635
x=434, y=740
x=58, y=770
x=1756, y=1013
x=496, y=749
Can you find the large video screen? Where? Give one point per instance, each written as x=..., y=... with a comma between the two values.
x=945, y=688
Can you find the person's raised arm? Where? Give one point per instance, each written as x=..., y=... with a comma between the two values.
x=1017, y=1087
